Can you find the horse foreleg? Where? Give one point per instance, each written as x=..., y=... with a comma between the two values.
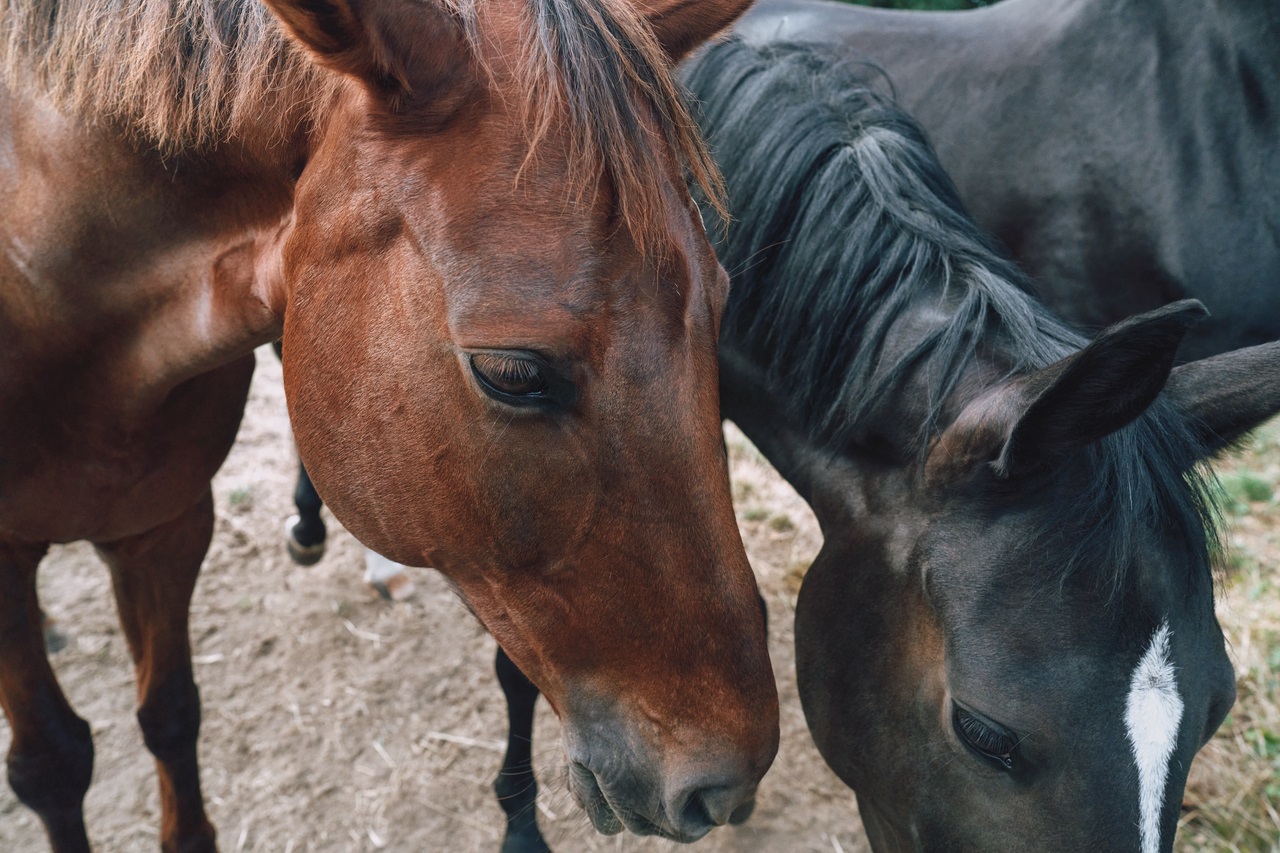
x=516, y=788
x=305, y=532
x=51, y=753
x=153, y=576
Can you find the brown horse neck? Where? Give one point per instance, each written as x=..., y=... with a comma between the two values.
x=168, y=268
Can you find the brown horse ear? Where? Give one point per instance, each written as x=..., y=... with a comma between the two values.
x=351, y=37
x=682, y=25
x=1033, y=422
x=1226, y=396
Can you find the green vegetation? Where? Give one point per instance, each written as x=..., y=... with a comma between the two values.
x=1233, y=795
x=782, y=524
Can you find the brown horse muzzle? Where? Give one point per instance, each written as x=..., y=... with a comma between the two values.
x=680, y=784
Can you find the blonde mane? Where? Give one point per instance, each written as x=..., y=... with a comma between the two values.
x=189, y=74
x=182, y=74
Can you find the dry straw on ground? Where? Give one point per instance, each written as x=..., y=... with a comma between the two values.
x=337, y=722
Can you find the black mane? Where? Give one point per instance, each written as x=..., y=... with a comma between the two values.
x=843, y=218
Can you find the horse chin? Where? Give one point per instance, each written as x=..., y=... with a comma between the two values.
x=610, y=820
x=586, y=790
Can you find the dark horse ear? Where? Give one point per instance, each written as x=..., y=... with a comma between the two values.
x=682, y=25
x=1034, y=421
x=1225, y=396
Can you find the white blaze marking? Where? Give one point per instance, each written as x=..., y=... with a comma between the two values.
x=1152, y=716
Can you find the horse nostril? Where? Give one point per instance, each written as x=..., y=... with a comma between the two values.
x=741, y=814
x=706, y=808
x=694, y=817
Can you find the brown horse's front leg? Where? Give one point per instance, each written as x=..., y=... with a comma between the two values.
x=153, y=576
x=51, y=754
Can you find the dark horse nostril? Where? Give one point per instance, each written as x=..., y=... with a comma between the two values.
x=740, y=815
x=711, y=807
x=694, y=816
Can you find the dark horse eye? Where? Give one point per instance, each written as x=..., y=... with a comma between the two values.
x=509, y=376
x=990, y=740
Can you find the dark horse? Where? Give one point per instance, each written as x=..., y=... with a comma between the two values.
x=470, y=223
x=1008, y=639
x=1124, y=151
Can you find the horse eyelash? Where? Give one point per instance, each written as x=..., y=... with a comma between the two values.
x=983, y=736
x=507, y=368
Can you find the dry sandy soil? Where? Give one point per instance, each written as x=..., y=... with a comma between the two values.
x=335, y=721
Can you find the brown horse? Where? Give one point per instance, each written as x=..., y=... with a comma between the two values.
x=470, y=223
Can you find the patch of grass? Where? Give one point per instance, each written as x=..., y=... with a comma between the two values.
x=755, y=513
x=1233, y=796
x=1232, y=801
x=794, y=576
x=782, y=524
x=1244, y=488
x=241, y=499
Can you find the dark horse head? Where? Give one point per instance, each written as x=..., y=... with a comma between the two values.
x=1008, y=640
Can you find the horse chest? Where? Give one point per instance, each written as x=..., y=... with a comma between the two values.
x=122, y=378
x=76, y=465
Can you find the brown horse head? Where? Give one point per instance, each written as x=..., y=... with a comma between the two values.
x=500, y=358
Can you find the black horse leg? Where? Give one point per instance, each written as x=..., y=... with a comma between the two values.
x=305, y=532
x=516, y=788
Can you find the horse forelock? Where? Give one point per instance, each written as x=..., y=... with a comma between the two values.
x=597, y=65
x=843, y=219
x=188, y=75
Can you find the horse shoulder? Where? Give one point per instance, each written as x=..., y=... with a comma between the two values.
x=132, y=287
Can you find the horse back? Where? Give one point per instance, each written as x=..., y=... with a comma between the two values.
x=1120, y=151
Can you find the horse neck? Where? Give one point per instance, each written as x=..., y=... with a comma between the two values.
x=840, y=477
x=168, y=268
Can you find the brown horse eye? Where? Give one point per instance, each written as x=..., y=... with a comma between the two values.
x=508, y=375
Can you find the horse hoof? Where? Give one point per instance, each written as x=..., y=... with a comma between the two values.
x=303, y=555
x=398, y=588
x=386, y=576
x=524, y=844
x=54, y=638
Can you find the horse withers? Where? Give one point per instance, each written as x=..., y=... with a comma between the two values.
x=469, y=221
x=1007, y=641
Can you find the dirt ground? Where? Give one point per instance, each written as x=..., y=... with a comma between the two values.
x=335, y=721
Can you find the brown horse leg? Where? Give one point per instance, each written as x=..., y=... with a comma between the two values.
x=51, y=754
x=516, y=787
x=153, y=575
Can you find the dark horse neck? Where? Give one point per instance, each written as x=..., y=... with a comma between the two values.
x=867, y=307
x=860, y=287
